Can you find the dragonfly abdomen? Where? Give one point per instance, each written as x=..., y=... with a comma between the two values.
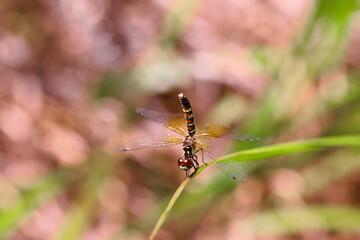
x=189, y=117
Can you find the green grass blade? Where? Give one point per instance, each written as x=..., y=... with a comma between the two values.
x=271, y=151
x=293, y=147
x=333, y=167
x=266, y=152
x=168, y=208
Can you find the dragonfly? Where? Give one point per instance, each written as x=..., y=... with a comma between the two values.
x=208, y=142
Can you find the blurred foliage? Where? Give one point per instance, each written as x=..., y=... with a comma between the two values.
x=36, y=195
x=73, y=73
x=295, y=221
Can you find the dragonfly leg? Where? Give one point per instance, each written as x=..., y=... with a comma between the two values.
x=195, y=160
x=202, y=158
x=188, y=172
x=194, y=164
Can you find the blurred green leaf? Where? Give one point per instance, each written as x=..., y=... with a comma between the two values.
x=32, y=198
x=83, y=209
x=292, y=221
x=161, y=67
x=176, y=22
x=317, y=50
x=332, y=167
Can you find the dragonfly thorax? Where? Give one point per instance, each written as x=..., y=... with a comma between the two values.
x=188, y=147
x=186, y=163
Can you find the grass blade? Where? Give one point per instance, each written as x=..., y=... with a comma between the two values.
x=168, y=208
x=266, y=152
x=271, y=151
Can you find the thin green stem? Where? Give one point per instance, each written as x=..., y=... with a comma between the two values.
x=265, y=153
x=271, y=151
x=168, y=208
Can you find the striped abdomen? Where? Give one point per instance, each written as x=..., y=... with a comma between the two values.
x=189, y=117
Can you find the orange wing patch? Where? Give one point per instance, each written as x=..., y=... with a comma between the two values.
x=177, y=124
x=173, y=139
x=212, y=130
x=200, y=146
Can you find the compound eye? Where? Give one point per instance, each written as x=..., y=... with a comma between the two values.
x=180, y=161
x=187, y=163
x=184, y=164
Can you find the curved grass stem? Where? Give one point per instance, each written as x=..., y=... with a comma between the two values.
x=163, y=216
x=265, y=153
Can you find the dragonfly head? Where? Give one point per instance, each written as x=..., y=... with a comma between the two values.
x=184, y=164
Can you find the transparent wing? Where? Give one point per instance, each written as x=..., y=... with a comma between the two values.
x=233, y=170
x=173, y=121
x=213, y=149
x=214, y=130
x=152, y=141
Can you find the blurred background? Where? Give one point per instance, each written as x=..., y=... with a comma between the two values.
x=74, y=71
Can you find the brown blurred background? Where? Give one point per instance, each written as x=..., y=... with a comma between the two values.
x=74, y=71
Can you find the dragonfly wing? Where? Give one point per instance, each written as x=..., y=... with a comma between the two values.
x=173, y=121
x=152, y=141
x=214, y=130
x=233, y=170
x=213, y=149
